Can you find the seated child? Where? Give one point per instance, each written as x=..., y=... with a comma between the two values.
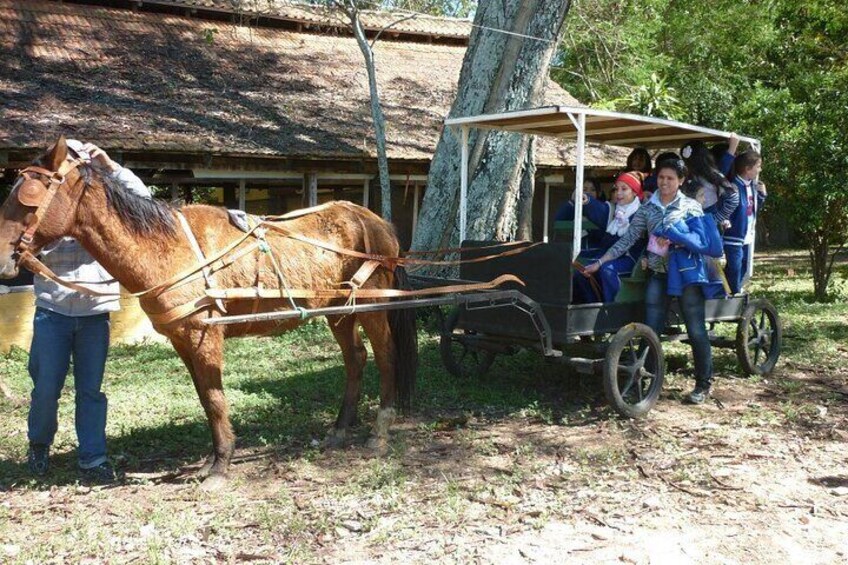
x=591, y=189
x=615, y=220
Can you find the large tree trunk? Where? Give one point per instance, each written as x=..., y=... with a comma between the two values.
x=500, y=72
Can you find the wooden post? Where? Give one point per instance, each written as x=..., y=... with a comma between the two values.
x=366, y=190
x=175, y=191
x=312, y=198
x=242, y=195
x=415, y=209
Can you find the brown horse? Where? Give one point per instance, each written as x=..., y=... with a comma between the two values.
x=141, y=244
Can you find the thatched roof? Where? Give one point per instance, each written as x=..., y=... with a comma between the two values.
x=407, y=23
x=141, y=81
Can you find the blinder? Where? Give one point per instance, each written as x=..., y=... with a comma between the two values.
x=32, y=192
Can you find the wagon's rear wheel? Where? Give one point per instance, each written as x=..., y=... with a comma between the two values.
x=759, y=337
x=460, y=354
x=634, y=369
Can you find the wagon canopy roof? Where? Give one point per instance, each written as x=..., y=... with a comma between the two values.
x=602, y=127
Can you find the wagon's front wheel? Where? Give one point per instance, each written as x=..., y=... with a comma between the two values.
x=460, y=355
x=634, y=369
x=759, y=337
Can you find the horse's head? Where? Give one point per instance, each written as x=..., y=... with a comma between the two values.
x=41, y=207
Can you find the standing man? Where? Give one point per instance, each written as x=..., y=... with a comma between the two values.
x=71, y=325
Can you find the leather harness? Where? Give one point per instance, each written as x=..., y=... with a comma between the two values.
x=34, y=192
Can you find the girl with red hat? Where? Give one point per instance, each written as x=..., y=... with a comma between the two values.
x=614, y=218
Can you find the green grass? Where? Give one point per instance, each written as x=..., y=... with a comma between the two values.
x=284, y=391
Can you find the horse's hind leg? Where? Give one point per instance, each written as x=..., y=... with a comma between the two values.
x=344, y=329
x=376, y=326
x=204, y=350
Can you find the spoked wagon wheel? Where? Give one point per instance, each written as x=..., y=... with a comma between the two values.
x=634, y=370
x=758, y=338
x=460, y=355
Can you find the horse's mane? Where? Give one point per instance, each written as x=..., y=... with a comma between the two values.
x=142, y=216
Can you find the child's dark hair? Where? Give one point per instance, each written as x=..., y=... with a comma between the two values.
x=676, y=165
x=595, y=183
x=646, y=158
x=746, y=160
x=668, y=155
x=718, y=150
x=700, y=162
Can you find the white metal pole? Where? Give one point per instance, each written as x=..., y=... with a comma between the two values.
x=463, y=186
x=578, y=186
x=547, y=211
x=366, y=189
x=415, y=208
x=242, y=195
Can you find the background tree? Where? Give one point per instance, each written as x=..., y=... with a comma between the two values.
x=775, y=70
x=500, y=72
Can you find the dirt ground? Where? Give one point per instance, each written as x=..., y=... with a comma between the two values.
x=747, y=478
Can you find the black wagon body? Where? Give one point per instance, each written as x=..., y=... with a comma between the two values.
x=627, y=354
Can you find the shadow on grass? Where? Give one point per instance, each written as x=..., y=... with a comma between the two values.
x=283, y=417
x=299, y=409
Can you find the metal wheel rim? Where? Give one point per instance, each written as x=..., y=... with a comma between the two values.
x=761, y=337
x=635, y=381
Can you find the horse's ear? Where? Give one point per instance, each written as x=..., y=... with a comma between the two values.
x=57, y=154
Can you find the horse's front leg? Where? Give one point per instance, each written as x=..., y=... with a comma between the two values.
x=206, y=357
x=355, y=355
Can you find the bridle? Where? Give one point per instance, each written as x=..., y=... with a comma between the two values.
x=35, y=192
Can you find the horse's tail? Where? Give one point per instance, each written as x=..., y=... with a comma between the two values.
x=405, y=339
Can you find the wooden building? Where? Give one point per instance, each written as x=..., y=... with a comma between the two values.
x=263, y=107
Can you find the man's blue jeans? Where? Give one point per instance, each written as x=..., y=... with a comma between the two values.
x=692, y=305
x=56, y=339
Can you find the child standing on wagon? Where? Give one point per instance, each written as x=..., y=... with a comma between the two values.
x=739, y=237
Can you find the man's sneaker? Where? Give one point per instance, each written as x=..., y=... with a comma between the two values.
x=102, y=474
x=38, y=459
x=698, y=396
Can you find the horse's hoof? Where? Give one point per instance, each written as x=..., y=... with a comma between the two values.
x=378, y=445
x=214, y=483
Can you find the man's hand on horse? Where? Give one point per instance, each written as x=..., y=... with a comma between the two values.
x=100, y=158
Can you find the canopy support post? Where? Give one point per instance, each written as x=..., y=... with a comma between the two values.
x=242, y=194
x=463, y=186
x=578, y=185
x=366, y=189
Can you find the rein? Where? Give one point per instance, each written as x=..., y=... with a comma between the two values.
x=36, y=193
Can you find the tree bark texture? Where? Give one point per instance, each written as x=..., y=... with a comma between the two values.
x=500, y=72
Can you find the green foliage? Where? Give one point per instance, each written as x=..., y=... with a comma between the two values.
x=655, y=98
x=773, y=69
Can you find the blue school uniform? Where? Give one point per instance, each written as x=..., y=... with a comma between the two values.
x=594, y=237
x=609, y=275
x=694, y=240
x=740, y=234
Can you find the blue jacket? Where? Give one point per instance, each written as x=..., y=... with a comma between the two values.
x=594, y=237
x=693, y=239
x=745, y=213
